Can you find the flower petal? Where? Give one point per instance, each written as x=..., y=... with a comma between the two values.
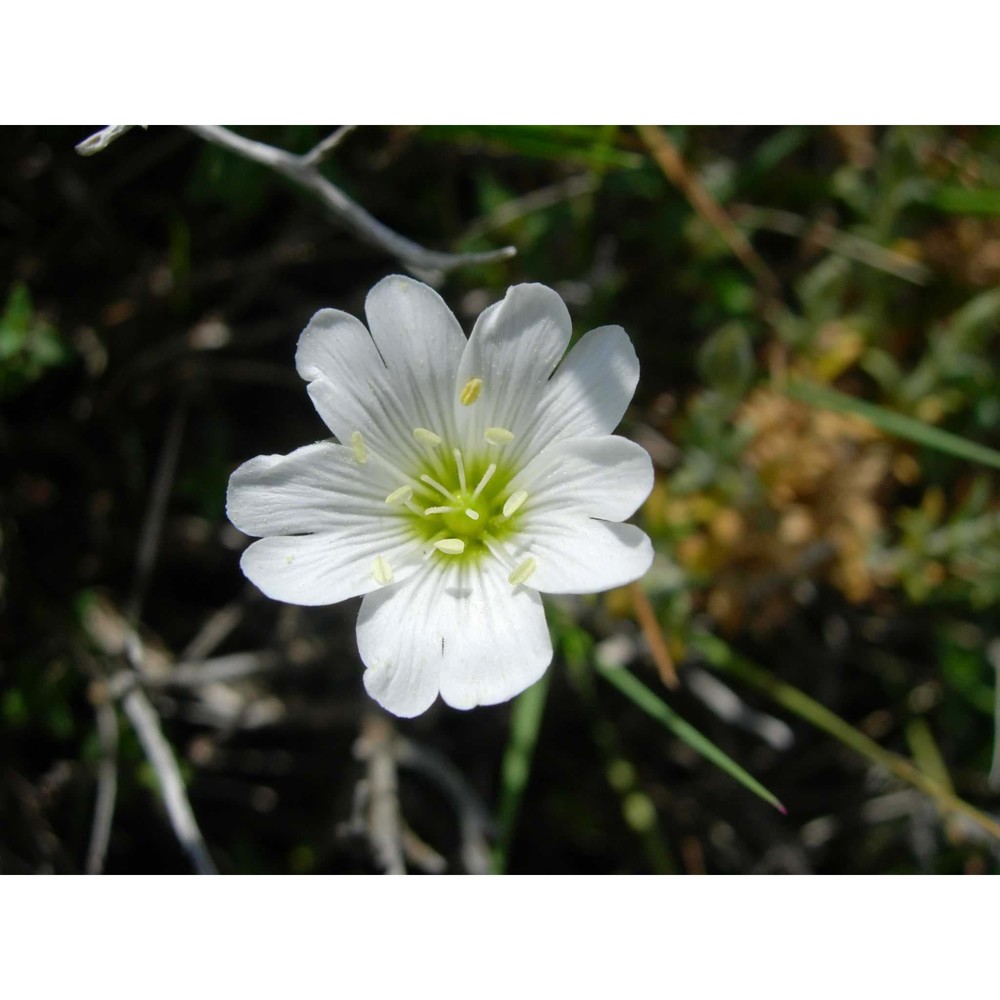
x=349, y=386
x=591, y=390
x=575, y=555
x=422, y=344
x=461, y=630
x=514, y=347
x=315, y=488
x=331, y=566
x=606, y=477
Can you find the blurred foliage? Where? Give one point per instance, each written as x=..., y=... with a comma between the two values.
x=823, y=410
x=28, y=345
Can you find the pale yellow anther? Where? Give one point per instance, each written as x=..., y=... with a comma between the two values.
x=382, y=571
x=396, y=497
x=470, y=391
x=439, y=510
x=514, y=502
x=523, y=571
x=450, y=546
x=424, y=436
x=499, y=435
x=358, y=449
x=473, y=515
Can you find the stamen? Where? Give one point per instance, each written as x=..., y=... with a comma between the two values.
x=472, y=514
x=450, y=546
x=440, y=510
x=424, y=436
x=523, y=571
x=382, y=571
x=411, y=506
x=470, y=391
x=487, y=476
x=460, y=465
x=436, y=485
x=498, y=435
x=358, y=448
x=514, y=502
x=396, y=497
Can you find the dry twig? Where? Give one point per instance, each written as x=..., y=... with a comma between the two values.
x=385, y=825
x=107, y=787
x=655, y=639
x=474, y=821
x=303, y=170
x=672, y=164
x=135, y=703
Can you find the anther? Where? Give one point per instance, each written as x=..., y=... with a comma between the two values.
x=470, y=391
x=473, y=515
x=396, y=497
x=460, y=465
x=498, y=435
x=424, y=436
x=523, y=571
x=487, y=476
x=358, y=449
x=450, y=546
x=382, y=571
x=514, y=502
x=439, y=510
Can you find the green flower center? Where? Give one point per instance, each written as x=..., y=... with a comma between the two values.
x=460, y=504
x=465, y=498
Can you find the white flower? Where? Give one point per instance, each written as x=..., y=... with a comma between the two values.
x=469, y=477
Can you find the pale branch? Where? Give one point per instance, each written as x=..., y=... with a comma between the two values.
x=135, y=703
x=101, y=140
x=376, y=748
x=214, y=631
x=303, y=171
x=152, y=524
x=160, y=755
x=474, y=820
x=107, y=787
x=323, y=149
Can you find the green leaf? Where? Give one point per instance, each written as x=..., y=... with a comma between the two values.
x=896, y=424
x=636, y=691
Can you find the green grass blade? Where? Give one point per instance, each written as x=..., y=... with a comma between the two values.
x=637, y=692
x=966, y=201
x=897, y=424
x=719, y=655
x=526, y=720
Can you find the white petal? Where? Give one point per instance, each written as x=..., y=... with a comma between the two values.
x=422, y=344
x=349, y=386
x=315, y=488
x=592, y=388
x=461, y=630
x=329, y=567
x=576, y=555
x=514, y=347
x=606, y=477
